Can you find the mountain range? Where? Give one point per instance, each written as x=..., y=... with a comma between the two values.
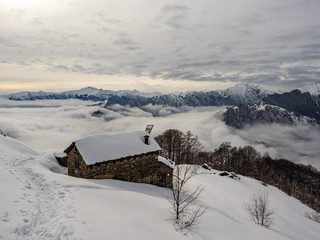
x=88, y=93
x=248, y=104
x=241, y=93
x=300, y=105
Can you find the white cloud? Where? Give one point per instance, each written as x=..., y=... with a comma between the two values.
x=53, y=125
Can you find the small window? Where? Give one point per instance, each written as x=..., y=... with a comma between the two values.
x=76, y=160
x=162, y=178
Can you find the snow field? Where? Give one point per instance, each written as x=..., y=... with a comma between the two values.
x=39, y=202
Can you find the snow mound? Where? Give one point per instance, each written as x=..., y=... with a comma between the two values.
x=115, y=145
x=11, y=146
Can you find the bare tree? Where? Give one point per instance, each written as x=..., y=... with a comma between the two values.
x=186, y=209
x=258, y=209
x=191, y=148
x=179, y=147
x=171, y=142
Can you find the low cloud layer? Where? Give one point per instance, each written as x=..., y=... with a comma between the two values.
x=53, y=125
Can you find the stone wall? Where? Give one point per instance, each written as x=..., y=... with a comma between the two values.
x=63, y=161
x=143, y=168
x=73, y=170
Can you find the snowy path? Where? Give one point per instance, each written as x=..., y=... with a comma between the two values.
x=47, y=214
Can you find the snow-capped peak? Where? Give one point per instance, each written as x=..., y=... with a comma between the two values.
x=313, y=89
x=86, y=90
x=246, y=92
x=244, y=88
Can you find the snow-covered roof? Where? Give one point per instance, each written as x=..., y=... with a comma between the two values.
x=115, y=145
x=167, y=162
x=60, y=155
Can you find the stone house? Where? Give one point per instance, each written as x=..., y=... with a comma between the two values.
x=130, y=156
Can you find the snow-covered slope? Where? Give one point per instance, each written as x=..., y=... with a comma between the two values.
x=263, y=113
x=38, y=203
x=313, y=89
x=247, y=92
x=10, y=147
x=298, y=106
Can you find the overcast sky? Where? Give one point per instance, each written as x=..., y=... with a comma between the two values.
x=158, y=45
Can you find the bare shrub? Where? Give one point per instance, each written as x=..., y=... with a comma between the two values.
x=314, y=216
x=186, y=209
x=258, y=209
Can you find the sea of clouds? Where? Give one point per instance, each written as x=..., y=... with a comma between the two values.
x=54, y=124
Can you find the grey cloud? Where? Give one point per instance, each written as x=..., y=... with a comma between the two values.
x=188, y=75
x=175, y=21
x=10, y=42
x=62, y=67
x=111, y=20
x=306, y=33
x=78, y=68
x=104, y=17
x=71, y=36
x=309, y=56
x=265, y=79
x=199, y=64
x=94, y=68
x=123, y=41
x=245, y=31
x=294, y=83
x=252, y=41
x=254, y=19
x=303, y=70
x=174, y=15
x=226, y=49
x=105, y=30
x=174, y=8
x=98, y=68
x=289, y=6
x=37, y=22
x=23, y=63
x=131, y=48
x=260, y=68
x=311, y=47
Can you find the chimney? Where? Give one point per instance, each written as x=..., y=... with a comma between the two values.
x=146, y=139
